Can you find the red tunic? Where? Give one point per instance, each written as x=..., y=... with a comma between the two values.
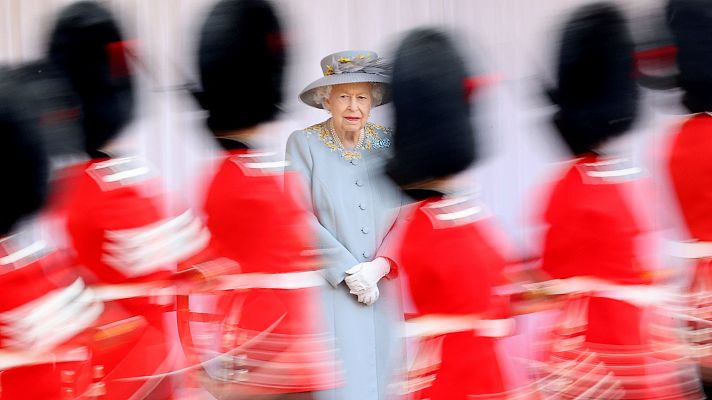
x=591, y=228
x=452, y=270
x=690, y=166
x=273, y=329
x=120, y=235
x=605, y=345
x=46, y=316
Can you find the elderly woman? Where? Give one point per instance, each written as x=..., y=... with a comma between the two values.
x=353, y=208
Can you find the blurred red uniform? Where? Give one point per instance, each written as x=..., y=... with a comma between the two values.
x=120, y=234
x=691, y=172
x=690, y=167
x=605, y=347
x=271, y=336
x=46, y=318
x=453, y=269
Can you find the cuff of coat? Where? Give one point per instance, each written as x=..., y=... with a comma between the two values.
x=333, y=276
x=393, y=273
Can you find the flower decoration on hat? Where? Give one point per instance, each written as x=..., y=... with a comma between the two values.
x=346, y=65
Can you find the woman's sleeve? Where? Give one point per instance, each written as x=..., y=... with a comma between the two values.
x=391, y=244
x=336, y=257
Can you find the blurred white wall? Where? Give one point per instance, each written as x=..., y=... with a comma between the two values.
x=512, y=39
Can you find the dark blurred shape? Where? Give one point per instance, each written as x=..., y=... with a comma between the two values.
x=56, y=107
x=596, y=94
x=691, y=24
x=23, y=161
x=655, y=51
x=241, y=60
x=87, y=46
x=434, y=137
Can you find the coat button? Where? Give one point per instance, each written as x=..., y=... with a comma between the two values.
x=359, y=182
x=354, y=162
x=364, y=230
x=365, y=255
x=362, y=206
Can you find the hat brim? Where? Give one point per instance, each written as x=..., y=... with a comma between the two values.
x=307, y=95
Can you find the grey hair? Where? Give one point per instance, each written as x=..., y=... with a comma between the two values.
x=322, y=93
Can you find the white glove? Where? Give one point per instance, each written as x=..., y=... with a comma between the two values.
x=370, y=297
x=364, y=277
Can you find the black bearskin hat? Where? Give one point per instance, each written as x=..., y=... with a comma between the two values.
x=87, y=46
x=596, y=94
x=691, y=24
x=23, y=160
x=434, y=137
x=241, y=58
x=56, y=107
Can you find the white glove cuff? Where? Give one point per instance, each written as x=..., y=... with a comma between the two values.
x=382, y=265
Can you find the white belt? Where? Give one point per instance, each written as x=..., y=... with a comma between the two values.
x=13, y=359
x=287, y=280
x=128, y=291
x=640, y=295
x=439, y=324
x=690, y=249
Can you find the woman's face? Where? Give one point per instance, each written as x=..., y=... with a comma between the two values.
x=350, y=105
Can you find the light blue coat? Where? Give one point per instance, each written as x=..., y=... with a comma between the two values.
x=354, y=206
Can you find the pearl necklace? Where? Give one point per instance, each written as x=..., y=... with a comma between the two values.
x=359, y=142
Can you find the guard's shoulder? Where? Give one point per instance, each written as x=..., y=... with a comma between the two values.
x=116, y=173
x=608, y=171
x=454, y=211
x=259, y=163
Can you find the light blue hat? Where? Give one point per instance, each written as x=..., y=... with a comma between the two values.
x=351, y=66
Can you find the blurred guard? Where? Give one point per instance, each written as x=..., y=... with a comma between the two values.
x=46, y=310
x=270, y=339
x=690, y=160
x=113, y=211
x=605, y=348
x=447, y=251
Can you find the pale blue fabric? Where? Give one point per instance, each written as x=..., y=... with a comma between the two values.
x=354, y=206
